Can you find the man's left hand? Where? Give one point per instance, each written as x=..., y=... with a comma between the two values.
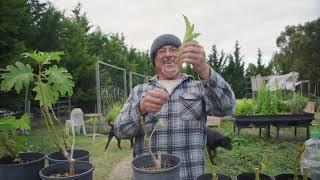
x=194, y=54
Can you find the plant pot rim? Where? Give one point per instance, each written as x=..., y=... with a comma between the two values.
x=63, y=160
x=74, y=176
x=155, y=171
x=43, y=156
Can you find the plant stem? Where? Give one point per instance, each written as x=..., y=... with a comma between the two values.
x=305, y=173
x=257, y=173
x=214, y=177
x=157, y=163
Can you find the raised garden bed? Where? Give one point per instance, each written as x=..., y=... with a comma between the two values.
x=278, y=121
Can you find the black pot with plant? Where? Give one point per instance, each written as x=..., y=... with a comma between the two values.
x=83, y=171
x=144, y=167
x=252, y=176
x=210, y=176
x=289, y=176
x=14, y=163
x=78, y=155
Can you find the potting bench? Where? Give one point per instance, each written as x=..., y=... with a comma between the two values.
x=278, y=121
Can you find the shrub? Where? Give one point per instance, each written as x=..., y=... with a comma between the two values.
x=245, y=107
x=297, y=103
x=113, y=111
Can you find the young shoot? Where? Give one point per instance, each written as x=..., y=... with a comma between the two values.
x=188, y=36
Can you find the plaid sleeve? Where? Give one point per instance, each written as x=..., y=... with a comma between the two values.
x=127, y=123
x=219, y=97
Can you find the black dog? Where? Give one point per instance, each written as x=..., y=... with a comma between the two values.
x=112, y=134
x=214, y=140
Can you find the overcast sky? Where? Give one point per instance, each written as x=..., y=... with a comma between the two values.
x=254, y=23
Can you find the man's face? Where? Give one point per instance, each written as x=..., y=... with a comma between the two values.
x=165, y=63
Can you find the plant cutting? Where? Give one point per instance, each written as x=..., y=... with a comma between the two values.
x=157, y=166
x=257, y=175
x=50, y=82
x=188, y=36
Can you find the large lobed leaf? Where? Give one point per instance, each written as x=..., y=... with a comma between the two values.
x=45, y=94
x=11, y=123
x=18, y=76
x=61, y=80
x=44, y=57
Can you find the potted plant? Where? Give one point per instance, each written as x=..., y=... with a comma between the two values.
x=254, y=176
x=210, y=176
x=295, y=175
x=155, y=166
x=50, y=82
x=15, y=163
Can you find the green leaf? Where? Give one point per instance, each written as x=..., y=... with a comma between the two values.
x=44, y=57
x=45, y=94
x=11, y=123
x=189, y=34
x=61, y=80
x=18, y=76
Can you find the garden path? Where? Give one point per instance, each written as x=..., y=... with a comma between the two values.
x=122, y=171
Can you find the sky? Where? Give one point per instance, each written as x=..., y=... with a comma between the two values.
x=254, y=23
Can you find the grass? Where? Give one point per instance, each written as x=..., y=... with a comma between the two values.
x=249, y=151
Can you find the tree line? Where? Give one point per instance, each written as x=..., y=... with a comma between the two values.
x=28, y=25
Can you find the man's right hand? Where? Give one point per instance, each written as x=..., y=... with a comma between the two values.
x=153, y=101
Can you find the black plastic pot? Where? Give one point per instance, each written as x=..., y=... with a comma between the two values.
x=288, y=177
x=172, y=172
x=208, y=176
x=83, y=171
x=25, y=171
x=78, y=155
x=252, y=176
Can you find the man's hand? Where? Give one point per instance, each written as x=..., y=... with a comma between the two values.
x=153, y=101
x=193, y=53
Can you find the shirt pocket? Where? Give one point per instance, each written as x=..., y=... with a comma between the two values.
x=191, y=106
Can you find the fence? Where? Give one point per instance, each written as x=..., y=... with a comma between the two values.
x=112, y=83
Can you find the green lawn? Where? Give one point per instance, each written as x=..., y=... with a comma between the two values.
x=248, y=152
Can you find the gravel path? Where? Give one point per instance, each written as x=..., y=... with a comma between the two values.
x=122, y=171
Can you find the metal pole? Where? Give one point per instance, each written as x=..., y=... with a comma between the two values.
x=125, y=83
x=130, y=80
x=98, y=88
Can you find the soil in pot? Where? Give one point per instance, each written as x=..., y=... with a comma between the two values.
x=83, y=171
x=78, y=155
x=208, y=176
x=288, y=177
x=252, y=176
x=142, y=168
x=25, y=167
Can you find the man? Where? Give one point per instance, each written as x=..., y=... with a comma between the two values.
x=182, y=102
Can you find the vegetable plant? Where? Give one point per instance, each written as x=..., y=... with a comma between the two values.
x=10, y=142
x=49, y=83
x=188, y=36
